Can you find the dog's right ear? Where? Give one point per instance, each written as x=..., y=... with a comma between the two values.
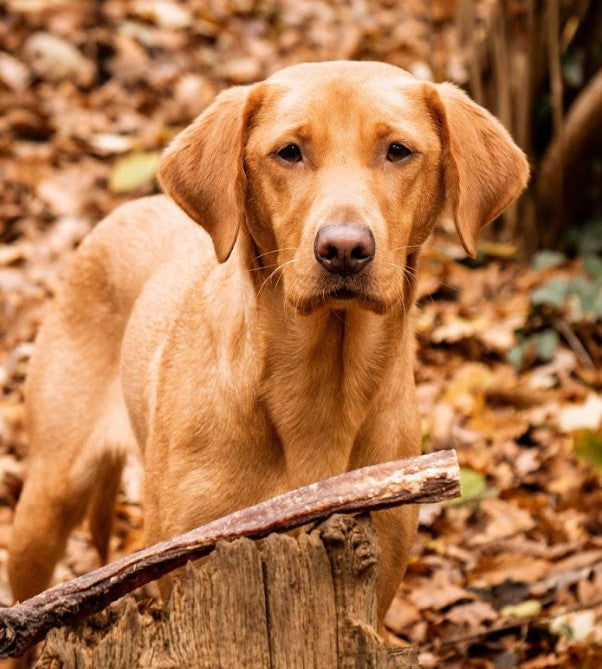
x=202, y=169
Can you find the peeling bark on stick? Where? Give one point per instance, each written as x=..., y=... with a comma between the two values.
x=426, y=478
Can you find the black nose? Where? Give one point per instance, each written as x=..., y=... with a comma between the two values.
x=344, y=248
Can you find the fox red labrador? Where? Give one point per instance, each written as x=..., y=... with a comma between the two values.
x=250, y=330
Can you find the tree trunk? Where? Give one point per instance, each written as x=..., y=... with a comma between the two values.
x=283, y=603
x=563, y=171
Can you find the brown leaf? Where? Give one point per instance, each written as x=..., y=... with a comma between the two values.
x=503, y=519
x=436, y=592
x=495, y=569
x=471, y=616
x=401, y=614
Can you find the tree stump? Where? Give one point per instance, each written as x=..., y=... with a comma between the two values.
x=283, y=603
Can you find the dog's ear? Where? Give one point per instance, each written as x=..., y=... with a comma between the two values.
x=484, y=169
x=202, y=169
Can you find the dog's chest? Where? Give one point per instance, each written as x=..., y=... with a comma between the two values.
x=317, y=395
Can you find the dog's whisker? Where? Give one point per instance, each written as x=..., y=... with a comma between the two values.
x=413, y=272
x=271, y=274
x=393, y=264
x=261, y=269
x=406, y=247
x=284, y=248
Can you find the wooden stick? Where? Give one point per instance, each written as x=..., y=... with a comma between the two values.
x=427, y=478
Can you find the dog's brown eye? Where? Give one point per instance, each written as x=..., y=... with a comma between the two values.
x=397, y=152
x=290, y=153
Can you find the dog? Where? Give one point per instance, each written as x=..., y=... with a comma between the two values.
x=250, y=332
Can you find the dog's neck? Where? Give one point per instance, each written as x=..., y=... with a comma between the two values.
x=347, y=358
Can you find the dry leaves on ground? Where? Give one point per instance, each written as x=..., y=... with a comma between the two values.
x=509, y=356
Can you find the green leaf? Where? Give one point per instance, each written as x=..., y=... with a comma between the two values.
x=593, y=266
x=526, y=609
x=586, y=238
x=472, y=485
x=552, y=293
x=547, y=258
x=588, y=296
x=516, y=354
x=546, y=344
x=133, y=171
x=591, y=237
x=587, y=445
x=582, y=287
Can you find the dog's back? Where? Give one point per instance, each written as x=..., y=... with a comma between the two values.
x=74, y=394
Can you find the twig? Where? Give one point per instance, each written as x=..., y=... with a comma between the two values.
x=540, y=621
x=426, y=478
x=575, y=343
x=476, y=636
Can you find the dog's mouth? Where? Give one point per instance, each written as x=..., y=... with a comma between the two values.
x=342, y=294
x=340, y=298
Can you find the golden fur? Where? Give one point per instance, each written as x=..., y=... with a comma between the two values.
x=241, y=376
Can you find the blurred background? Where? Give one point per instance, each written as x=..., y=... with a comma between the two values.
x=510, y=344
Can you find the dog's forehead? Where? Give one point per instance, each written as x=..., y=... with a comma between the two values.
x=352, y=71
x=344, y=93
x=341, y=82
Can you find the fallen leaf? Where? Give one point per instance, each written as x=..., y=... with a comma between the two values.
x=503, y=520
x=547, y=258
x=166, y=14
x=527, y=609
x=457, y=329
x=577, y=626
x=55, y=58
x=106, y=143
x=471, y=615
x=585, y=416
x=13, y=73
x=133, y=171
x=437, y=592
x=401, y=614
x=468, y=386
x=472, y=486
x=493, y=570
x=588, y=447
x=502, y=250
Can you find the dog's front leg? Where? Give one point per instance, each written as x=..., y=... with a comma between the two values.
x=396, y=531
x=390, y=433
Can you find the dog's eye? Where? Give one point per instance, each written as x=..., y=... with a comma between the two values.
x=290, y=153
x=397, y=152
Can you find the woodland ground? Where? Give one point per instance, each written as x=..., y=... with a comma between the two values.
x=509, y=354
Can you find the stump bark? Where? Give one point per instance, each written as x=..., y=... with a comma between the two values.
x=283, y=603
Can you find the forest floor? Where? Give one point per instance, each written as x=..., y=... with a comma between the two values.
x=509, y=354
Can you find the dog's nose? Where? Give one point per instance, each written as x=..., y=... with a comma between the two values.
x=344, y=248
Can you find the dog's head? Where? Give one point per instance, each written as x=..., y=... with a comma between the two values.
x=338, y=172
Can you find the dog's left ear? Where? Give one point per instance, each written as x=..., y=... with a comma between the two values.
x=484, y=169
x=202, y=169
